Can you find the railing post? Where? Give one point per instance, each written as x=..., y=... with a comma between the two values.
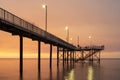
x=4, y=14
x=13, y=18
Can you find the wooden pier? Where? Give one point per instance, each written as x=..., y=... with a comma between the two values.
x=19, y=27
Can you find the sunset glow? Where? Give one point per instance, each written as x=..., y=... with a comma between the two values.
x=95, y=20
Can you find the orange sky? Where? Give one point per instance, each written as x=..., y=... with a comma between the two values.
x=100, y=19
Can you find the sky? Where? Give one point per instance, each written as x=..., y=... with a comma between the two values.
x=96, y=18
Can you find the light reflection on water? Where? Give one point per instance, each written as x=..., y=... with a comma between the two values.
x=70, y=75
x=9, y=70
x=90, y=73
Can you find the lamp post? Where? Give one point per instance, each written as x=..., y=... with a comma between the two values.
x=45, y=7
x=71, y=40
x=67, y=33
x=90, y=46
x=78, y=42
x=90, y=40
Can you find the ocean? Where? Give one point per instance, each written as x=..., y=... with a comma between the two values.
x=107, y=69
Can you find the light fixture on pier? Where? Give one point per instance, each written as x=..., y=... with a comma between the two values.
x=45, y=7
x=89, y=37
x=90, y=40
x=67, y=33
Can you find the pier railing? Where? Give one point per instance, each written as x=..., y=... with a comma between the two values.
x=11, y=18
x=87, y=48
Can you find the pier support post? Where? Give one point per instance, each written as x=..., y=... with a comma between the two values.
x=50, y=55
x=99, y=57
x=57, y=55
x=21, y=57
x=63, y=56
x=39, y=53
x=70, y=56
x=67, y=56
x=73, y=56
x=90, y=52
x=82, y=55
x=92, y=55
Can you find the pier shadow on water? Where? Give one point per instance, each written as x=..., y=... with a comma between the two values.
x=61, y=72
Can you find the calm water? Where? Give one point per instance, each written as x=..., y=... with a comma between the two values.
x=106, y=70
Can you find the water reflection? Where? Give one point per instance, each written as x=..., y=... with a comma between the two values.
x=70, y=71
x=93, y=71
x=65, y=72
x=21, y=77
x=50, y=73
x=90, y=73
x=82, y=71
x=58, y=73
x=70, y=75
x=39, y=75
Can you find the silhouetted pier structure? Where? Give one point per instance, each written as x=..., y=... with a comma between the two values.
x=81, y=54
x=19, y=27
x=90, y=53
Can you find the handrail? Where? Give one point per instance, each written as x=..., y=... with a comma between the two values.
x=11, y=18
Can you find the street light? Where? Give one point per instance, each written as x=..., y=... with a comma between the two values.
x=71, y=40
x=67, y=33
x=90, y=39
x=45, y=7
x=78, y=42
